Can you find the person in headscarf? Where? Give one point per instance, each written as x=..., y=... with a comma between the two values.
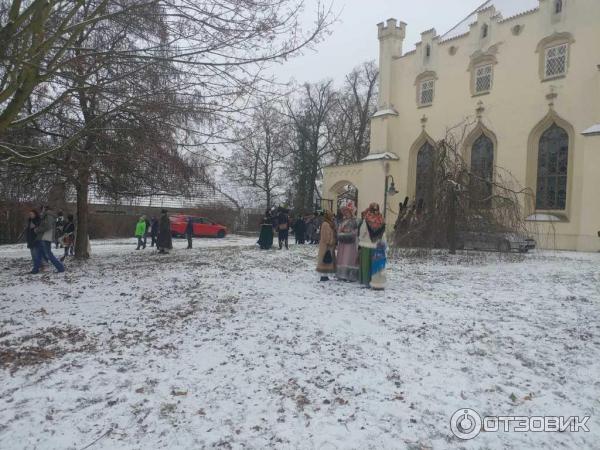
x=327, y=242
x=373, y=247
x=347, y=248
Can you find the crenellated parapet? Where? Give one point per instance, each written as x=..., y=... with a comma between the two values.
x=391, y=29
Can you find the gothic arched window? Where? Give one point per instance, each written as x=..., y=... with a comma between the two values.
x=552, y=169
x=425, y=174
x=482, y=169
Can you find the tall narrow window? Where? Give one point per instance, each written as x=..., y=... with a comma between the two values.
x=425, y=174
x=552, y=173
x=483, y=79
x=556, y=60
x=485, y=29
x=427, y=51
x=558, y=6
x=482, y=171
x=426, y=91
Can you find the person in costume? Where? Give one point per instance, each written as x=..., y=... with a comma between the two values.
x=347, y=246
x=373, y=248
x=327, y=242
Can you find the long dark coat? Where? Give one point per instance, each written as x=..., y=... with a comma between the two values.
x=30, y=231
x=300, y=229
x=164, y=233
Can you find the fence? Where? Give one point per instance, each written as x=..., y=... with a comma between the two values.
x=106, y=221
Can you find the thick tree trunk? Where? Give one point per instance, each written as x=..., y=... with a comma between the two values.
x=268, y=199
x=81, y=231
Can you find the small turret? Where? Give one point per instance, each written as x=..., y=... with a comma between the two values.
x=391, y=36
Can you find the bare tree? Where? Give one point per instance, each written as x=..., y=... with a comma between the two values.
x=460, y=197
x=311, y=141
x=38, y=41
x=141, y=85
x=352, y=117
x=259, y=156
x=35, y=36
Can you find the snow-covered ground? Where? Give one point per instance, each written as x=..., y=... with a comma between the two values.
x=230, y=347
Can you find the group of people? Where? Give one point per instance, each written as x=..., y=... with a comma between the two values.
x=274, y=222
x=306, y=228
x=354, y=249
x=277, y=221
x=159, y=231
x=351, y=248
x=43, y=229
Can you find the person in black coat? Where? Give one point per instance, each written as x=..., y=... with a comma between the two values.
x=189, y=232
x=154, y=231
x=299, y=230
x=283, y=225
x=164, y=242
x=33, y=220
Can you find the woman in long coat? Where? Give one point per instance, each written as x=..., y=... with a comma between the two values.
x=164, y=242
x=347, y=246
x=373, y=248
x=327, y=242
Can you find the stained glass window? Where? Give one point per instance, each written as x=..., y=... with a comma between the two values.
x=425, y=174
x=482, y=169
x=553, y=164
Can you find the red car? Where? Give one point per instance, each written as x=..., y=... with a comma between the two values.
x=202, y=227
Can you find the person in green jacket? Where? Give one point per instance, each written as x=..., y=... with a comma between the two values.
x=140, y=232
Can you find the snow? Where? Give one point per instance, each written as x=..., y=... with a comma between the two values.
x=227, y=346
x=507, y=9
x=539, y=217
x=593, y=130
x=386, y=112
x=378, y=156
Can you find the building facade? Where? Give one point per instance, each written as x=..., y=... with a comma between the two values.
x=523, y=77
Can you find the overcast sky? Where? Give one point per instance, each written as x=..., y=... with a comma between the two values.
x=354, y=36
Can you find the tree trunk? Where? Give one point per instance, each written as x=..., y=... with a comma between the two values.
x=310, y=184
x=81, y=232
x=452, y=223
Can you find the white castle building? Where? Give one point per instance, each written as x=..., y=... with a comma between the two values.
x=526, y=74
